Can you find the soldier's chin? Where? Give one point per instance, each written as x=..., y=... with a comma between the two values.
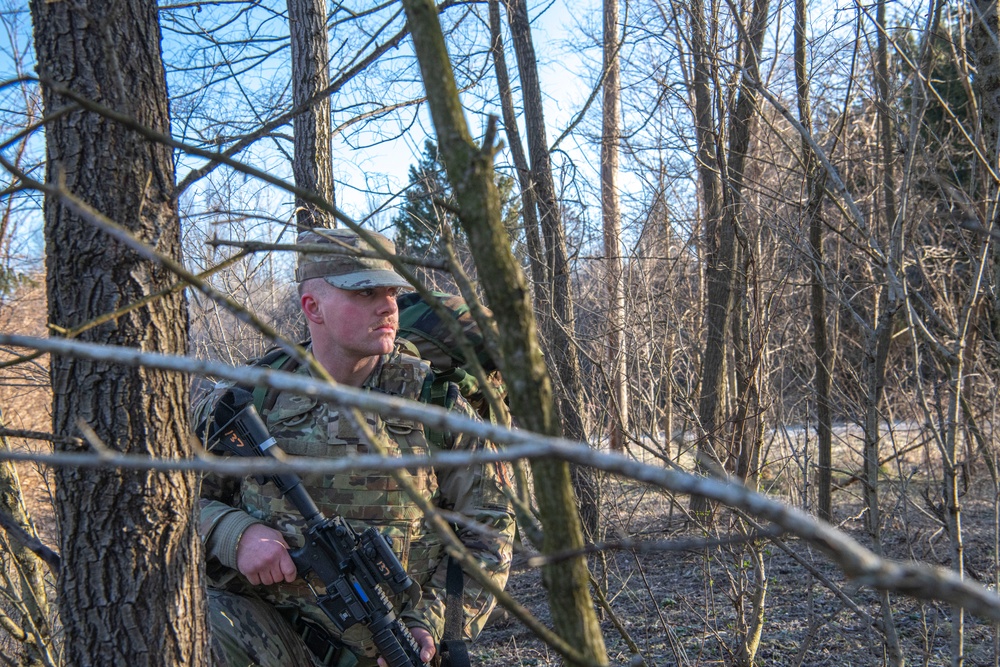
x=386, y=344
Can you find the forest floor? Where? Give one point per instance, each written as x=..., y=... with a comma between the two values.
x=678, y=604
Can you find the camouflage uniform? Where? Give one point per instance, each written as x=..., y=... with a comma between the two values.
x=248, y=633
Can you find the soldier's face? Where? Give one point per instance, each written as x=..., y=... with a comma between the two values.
x=361, y=323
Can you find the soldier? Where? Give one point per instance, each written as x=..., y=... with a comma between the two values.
x=261, y=612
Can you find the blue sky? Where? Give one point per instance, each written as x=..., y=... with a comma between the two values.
x=385, y=164
x=361, y=163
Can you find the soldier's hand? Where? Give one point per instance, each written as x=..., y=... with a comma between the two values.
x=426, y=643
x=262, y=556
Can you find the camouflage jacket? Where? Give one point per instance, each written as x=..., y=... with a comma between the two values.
x=305, y=426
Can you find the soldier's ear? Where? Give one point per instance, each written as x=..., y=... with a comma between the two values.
x=311, y=308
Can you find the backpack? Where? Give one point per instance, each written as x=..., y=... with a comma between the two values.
x=422, y=326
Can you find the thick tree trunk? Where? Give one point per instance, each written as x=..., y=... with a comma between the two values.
x=130, y=588
x=611, y=214
x=313, y=161
x=470, y=171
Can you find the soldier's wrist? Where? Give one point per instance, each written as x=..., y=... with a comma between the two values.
x=228, y=535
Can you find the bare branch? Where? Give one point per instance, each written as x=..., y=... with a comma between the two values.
x=48, y=556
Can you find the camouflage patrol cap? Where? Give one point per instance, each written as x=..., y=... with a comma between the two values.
x=347, y=271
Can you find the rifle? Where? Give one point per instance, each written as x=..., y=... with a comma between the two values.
x=353, y=567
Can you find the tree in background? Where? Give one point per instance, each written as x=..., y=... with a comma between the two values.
x=313, y=159
x=470, y=171
x=612, y=224
x=430, y=205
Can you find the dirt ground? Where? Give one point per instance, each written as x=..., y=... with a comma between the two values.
x=686, y=595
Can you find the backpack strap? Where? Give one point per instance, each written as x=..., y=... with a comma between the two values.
x=438, y=391
x=454, y=652
x=274, y=359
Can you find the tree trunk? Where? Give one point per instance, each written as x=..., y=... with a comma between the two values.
x=130, y=589
x=313, y=161
x=558, y=322
x=470, y=171
x=951, y=494
x=611, y=213
x=560, y=346
x=529, y=213
x=748, y=421
x=721, y=241
x=877, y=350
x=815, y=188
x=719, y=244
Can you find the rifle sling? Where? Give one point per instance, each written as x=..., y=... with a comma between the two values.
x=319, y=642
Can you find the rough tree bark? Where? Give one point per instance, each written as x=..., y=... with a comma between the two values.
x=130, y=588
x=312, y=164
x=611, y=214
x=470, y=171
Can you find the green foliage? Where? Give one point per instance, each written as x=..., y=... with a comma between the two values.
x=429, y=203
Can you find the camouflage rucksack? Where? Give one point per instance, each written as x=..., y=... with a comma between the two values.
x=419, y=324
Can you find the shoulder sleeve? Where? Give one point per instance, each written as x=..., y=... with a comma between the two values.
x=220, y=523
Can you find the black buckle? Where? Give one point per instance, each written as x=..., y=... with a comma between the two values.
x=319, y=642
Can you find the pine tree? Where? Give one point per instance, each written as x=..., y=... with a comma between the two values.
x=429, y=203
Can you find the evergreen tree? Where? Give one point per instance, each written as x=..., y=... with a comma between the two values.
x=429, y=203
